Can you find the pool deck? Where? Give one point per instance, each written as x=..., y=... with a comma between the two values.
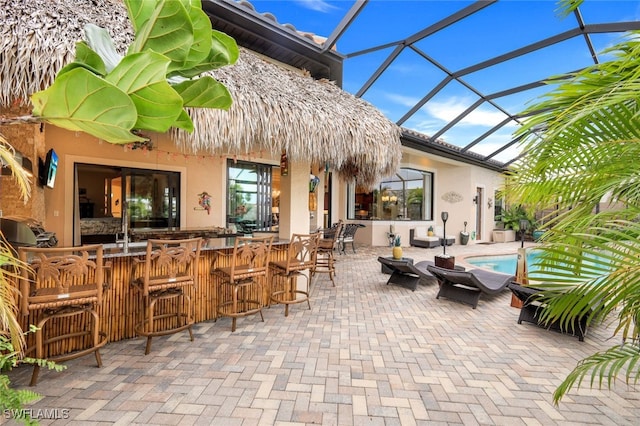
x=366, y=353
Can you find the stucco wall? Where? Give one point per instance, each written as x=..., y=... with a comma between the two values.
x=453, y=180
x=199, y=172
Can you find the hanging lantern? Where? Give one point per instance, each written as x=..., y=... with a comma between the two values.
x=313, y=184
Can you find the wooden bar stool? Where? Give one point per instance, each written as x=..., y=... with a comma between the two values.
x=325, y=259
x=65, y=286
x=241, y=286
x=164, y=278
x=301, y=257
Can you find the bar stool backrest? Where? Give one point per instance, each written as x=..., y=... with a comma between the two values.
x=303, y=249
x=171, y=263
x=250, y=257
x=330, y=236
x=61, y=276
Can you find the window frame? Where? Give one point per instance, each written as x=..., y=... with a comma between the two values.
x=389, y=203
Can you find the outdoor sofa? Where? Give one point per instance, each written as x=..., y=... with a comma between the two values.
x=418, y=237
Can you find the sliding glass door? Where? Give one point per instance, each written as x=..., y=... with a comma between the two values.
x=109, y=196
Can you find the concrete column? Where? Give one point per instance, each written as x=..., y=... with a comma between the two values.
x=294, y=201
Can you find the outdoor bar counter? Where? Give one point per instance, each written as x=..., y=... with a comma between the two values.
x=120, y=308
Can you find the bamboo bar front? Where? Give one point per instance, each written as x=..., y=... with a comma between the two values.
x=121, y=307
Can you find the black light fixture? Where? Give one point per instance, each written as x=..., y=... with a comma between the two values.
x=445, y=217
x=524, y=224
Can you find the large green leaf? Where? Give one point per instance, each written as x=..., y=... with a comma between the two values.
x=184, y=122
x=204, y=92
x=80, y=101
x=227, y=48
x=224, y=51
x=158, y=107
x=100, y=42
x=142, y=76
x=139, y=70
x=201, y=39
x=86, y=58
x=168, y=31
x=139, y=12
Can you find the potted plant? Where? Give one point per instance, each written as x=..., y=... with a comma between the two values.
x=397, y=248
x=510, y=223
x=464, y=235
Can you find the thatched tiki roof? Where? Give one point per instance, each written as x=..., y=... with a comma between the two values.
x=273, y=108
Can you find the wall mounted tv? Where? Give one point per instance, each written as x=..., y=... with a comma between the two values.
x=48, y=169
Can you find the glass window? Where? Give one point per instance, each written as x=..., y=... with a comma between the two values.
x=151, y=199
x=406, y=195
x=498, y=205
x=252, y=203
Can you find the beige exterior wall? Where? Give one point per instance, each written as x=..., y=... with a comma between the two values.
x=199, y=172
x=450, y=177
x=204, y=172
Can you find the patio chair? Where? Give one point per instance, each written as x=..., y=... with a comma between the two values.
x=532, y=308
x=325, y=260
x=163, y=280
x=467, y=286
x=242, y=281
x=405, y=273
x=63, y=287
x=348, y=236
x=300, y=261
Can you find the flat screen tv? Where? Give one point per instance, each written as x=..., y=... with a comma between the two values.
x=48, y=169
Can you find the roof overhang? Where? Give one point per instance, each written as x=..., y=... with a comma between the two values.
x=274, y=108
x=263, y=34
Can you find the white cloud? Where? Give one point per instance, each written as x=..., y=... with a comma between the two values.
x=317, y=5
x=444, y=112
x=489, y=148
x=407, y=101
x=453, y=107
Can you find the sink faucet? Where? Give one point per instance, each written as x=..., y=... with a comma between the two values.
x=125, y=229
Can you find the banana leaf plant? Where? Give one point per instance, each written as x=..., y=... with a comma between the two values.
x=581, y=142
x=115, y=97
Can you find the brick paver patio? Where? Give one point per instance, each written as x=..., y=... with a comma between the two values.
x=365, y=354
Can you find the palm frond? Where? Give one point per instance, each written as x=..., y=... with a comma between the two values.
x=9, y=275
x=20, y=175
x=603, y=367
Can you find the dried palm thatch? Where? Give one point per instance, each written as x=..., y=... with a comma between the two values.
x=274, y=108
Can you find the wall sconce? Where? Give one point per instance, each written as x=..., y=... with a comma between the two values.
x=313, y=182
x=489, y=203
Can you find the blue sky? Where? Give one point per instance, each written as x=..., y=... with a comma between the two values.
x=497, y=29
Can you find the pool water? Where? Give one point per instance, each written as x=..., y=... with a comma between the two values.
x=505, y=263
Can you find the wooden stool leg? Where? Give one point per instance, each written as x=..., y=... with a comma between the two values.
x=261, y=296
x=234, y=307
x=39, y=349
x=189, y=316
x=96, y=335
x=149, y=325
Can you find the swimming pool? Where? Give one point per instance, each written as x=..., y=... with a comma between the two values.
x=505, y=263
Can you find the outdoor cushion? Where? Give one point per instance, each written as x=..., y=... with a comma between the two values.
x=467, y=286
